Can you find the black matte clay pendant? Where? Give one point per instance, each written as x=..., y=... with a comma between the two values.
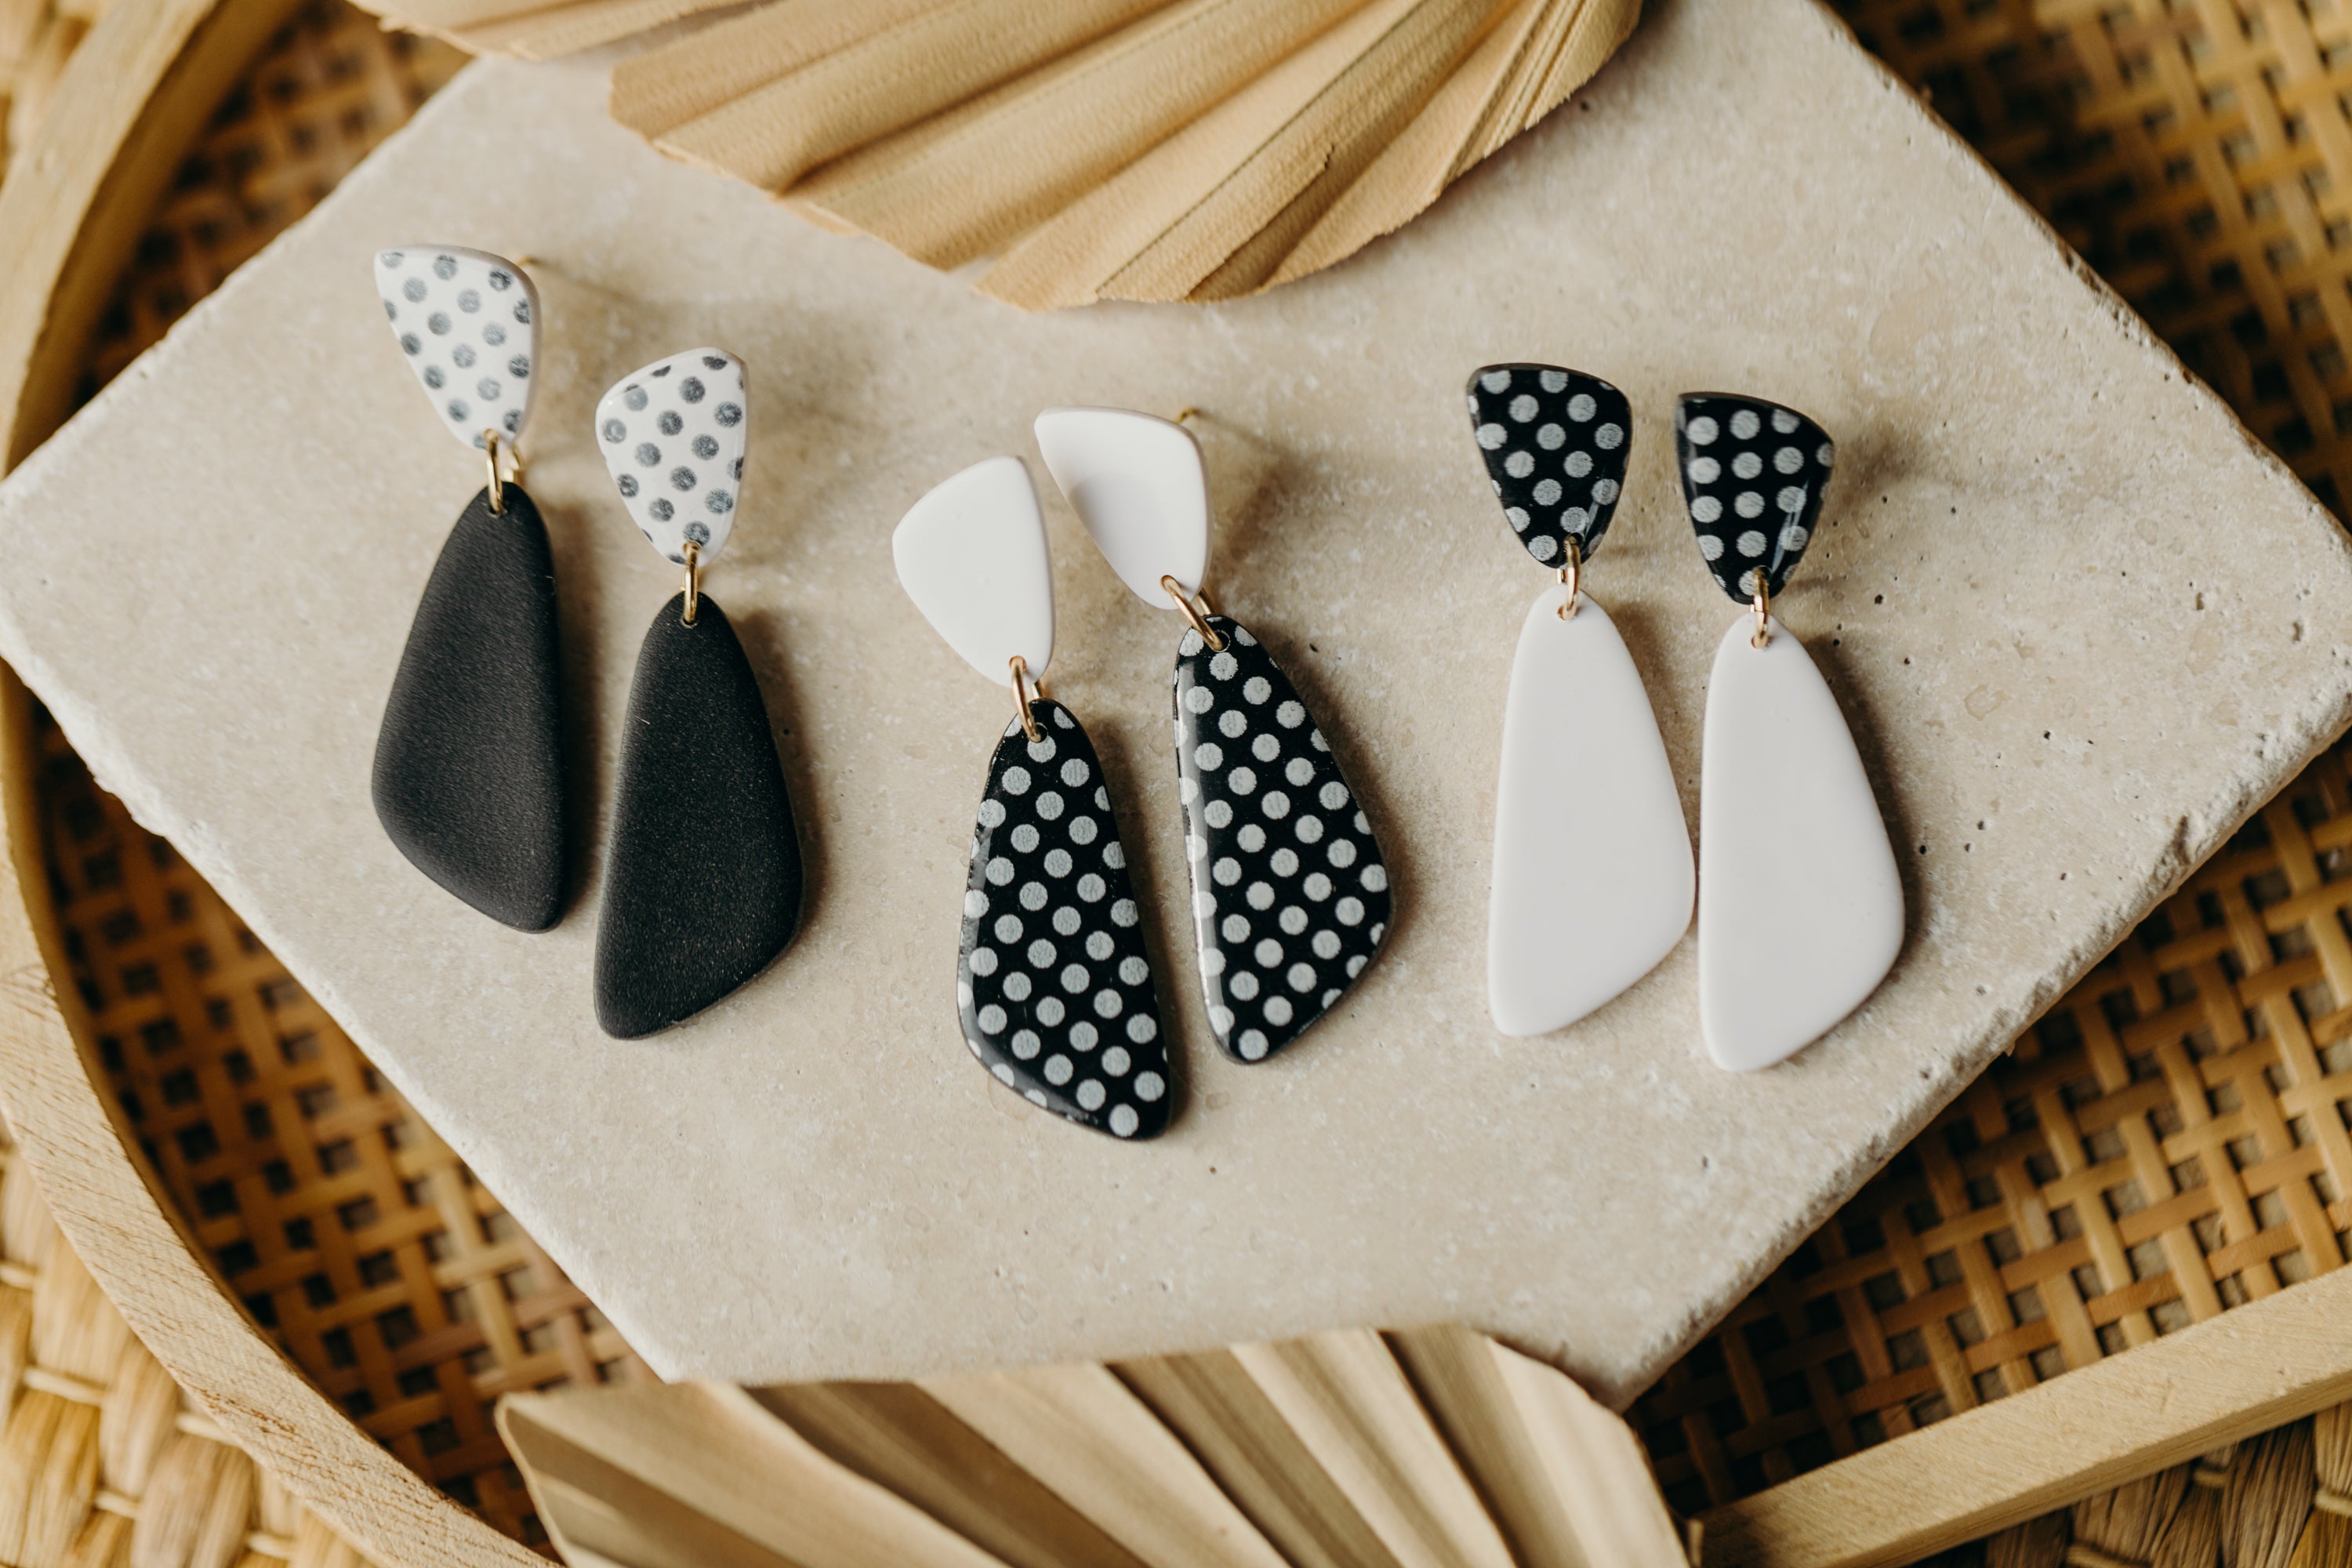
x=1053, y=984
x=1555, y=446
x=1753, y=474
x=469, y=778
x=1290, y=897
x=702, y=889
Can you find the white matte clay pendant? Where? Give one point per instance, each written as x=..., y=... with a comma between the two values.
x=1592, y=860
x=1799, y=906
x=1054, y=993
x=1592, y=878
x=1290, y=892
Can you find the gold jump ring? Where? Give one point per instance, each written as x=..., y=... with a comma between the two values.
x=1020, y=668
x=1569, y=576
x=1197, y=617
x=1763, y=603
x=498, y=488
x=693, y=580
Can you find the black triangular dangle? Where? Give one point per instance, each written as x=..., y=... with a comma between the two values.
x=469, y=775
x=702, y=886
x=1053, y=984
x=1753, y=473
x=1290, y=895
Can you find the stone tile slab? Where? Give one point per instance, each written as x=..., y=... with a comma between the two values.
x=2081, y=623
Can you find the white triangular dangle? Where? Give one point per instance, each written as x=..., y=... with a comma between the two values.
x=467, y=323
x=1138, y=483
x=1799, y=906
x=1290, y=892
x=673, y=435
x=972, y=555
x=1593, y=877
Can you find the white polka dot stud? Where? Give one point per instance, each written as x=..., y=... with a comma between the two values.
x=674, y=435
x=702, y=884
x=468, y=774
x=1592, y=873
x=1052, y=964
x=1799, y=906
x=1258, y=782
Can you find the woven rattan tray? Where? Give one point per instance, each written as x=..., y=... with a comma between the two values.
x=2216, y=1035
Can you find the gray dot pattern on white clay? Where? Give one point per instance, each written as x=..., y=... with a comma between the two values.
x=1291, y=894
x=1555, y=442
x=467, y=323
x=1053, y=987
x=673, y=439
x=1753, y=473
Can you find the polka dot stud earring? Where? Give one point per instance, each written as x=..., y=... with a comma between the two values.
x=1799, y=908
x=469, y=774
x=1290, y=896
x=1054, y=989
x=1593, y=881
x=702, y=886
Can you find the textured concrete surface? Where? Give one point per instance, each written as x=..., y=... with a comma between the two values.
x=2080, y=624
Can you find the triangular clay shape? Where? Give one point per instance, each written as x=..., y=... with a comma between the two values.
x=1053, y=987
x=1290, y=895
x=1800, y=908
x=703, y=887
x=468, y=774
x=1593, y=879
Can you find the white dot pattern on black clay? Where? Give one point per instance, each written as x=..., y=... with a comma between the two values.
x=1555, y=442
x=673, y=437
x=1053, y=988
x=1290, y=896
x=1753, y=473
x=467, y=323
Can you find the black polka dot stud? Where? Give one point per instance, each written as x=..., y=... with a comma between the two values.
x=1800, y=907
x=702, y=883
x=1054, y=992
x=1593, y=874
x=468, y=773
x=1290, y=893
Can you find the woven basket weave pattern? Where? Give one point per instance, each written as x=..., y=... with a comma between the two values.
x=346, y=1226
x=102, y=1461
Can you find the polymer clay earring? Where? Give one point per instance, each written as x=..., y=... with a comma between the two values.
x=1593, y=879
x=1054, y=992
x=469, y=774
x=1799, y=907
x=1290, y=895
x=702, y=886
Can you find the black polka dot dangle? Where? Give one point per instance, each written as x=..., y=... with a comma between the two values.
x=469, y=774
x=702, y=881
x=1290, y=893
x=1054, y=993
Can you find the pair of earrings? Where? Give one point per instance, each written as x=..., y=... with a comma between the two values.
x=1054, y=991
x=1800, y=907
x=702, y=886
